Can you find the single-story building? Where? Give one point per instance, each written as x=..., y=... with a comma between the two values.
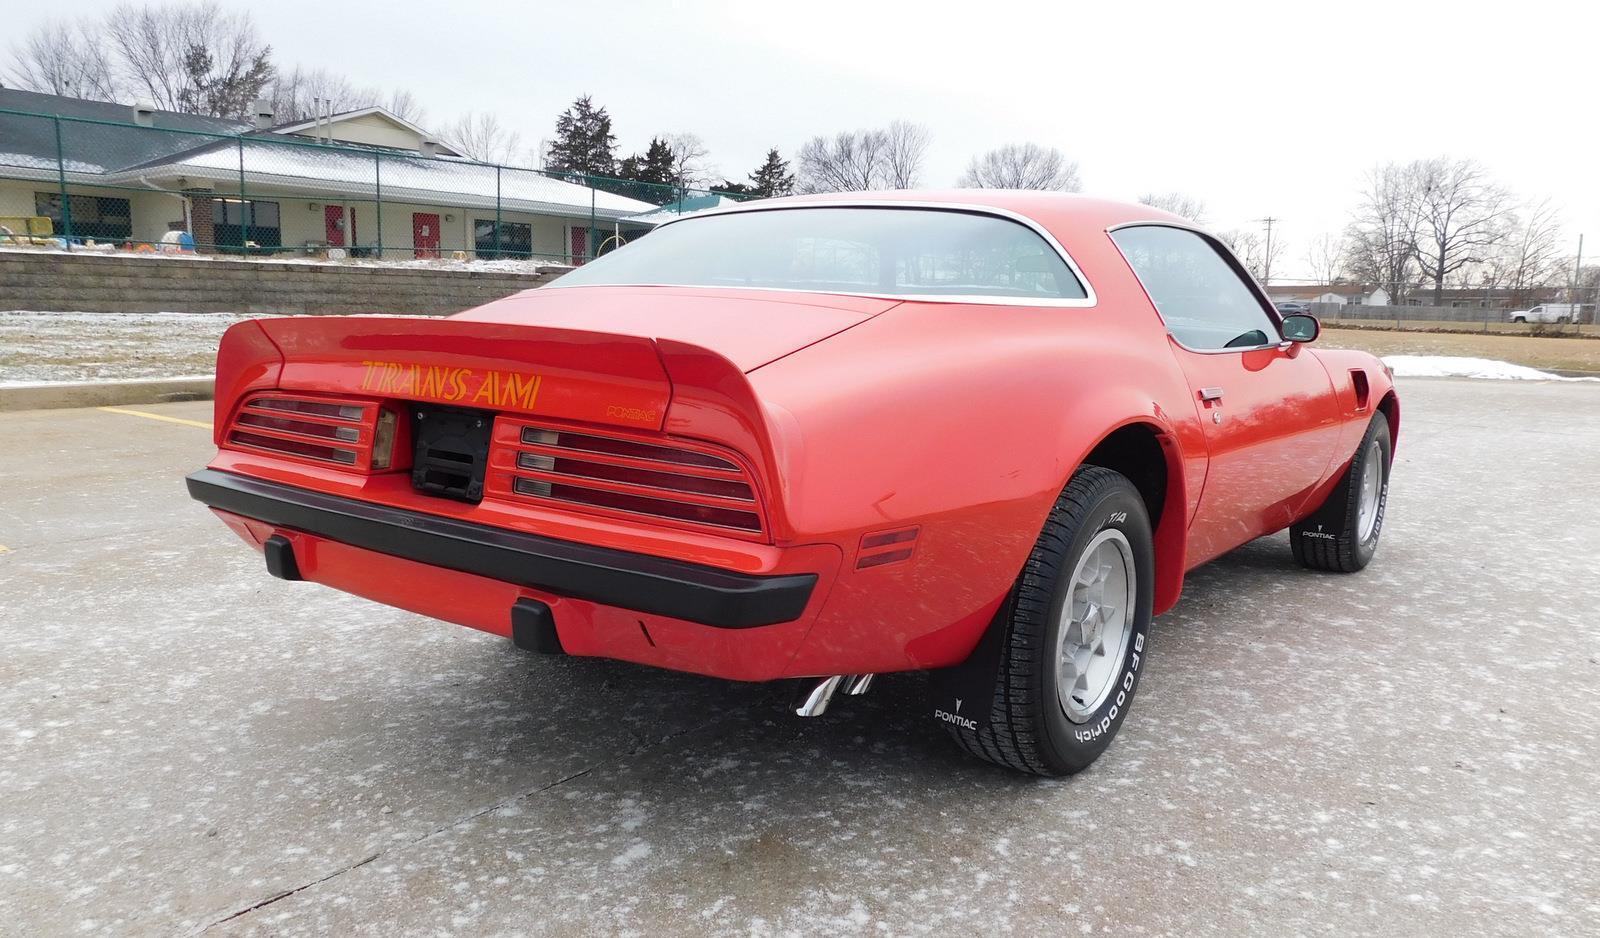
x=1343, y=294
x=365, y=182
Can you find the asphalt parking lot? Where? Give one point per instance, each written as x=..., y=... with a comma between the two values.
x=189, y=745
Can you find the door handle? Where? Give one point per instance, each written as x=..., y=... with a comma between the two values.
x=1211, y=394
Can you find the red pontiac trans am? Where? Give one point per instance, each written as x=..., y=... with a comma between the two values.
x=978, y=433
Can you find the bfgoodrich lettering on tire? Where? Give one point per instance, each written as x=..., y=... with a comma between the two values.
x=1342, y=534
x=1075, y=633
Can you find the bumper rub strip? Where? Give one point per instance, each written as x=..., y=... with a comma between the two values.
x=657, y=585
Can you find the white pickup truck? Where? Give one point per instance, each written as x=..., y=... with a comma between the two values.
x=1546, y=312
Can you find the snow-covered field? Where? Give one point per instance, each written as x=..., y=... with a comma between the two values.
x=97, y=346
x=37, y=346
x=1452, y=366
x=505, y=265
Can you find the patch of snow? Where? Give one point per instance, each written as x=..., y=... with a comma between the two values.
x=55, y=347
x=1454, y=366
x=532, y=265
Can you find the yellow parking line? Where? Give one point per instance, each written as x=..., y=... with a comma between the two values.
x=139, y=413
x=4, y=549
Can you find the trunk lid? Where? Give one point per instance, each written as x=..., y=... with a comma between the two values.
x=751, y=328
x=569, y=374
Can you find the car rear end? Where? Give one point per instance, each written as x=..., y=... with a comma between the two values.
x=582, y=492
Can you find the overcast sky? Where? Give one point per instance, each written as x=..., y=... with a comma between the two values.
x=1257, y=109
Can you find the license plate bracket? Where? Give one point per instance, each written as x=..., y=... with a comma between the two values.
x=450, y=451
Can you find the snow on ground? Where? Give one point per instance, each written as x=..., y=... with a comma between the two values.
x=37, y=346
x=504, y=265
x=99, y=346
x=1451, y=366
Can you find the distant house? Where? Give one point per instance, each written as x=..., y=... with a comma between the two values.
x=1337, y=293
x=354, y=181
x=1484, y=297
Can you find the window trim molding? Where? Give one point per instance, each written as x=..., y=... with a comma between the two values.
x=1229, y=258
x=1089, y=300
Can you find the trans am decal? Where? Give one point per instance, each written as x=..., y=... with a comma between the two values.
x=487, y=388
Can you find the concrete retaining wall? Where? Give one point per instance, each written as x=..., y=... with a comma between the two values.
x=99, y=283
x=47, y=395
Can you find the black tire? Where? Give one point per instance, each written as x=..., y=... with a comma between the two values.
x=1028, y=728
x=1331, y=539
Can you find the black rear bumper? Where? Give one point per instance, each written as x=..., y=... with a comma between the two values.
x=657, y=585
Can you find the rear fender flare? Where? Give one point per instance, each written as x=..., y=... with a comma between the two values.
x=1170, y=534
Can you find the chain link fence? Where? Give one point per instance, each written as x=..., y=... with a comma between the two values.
x=83, y=184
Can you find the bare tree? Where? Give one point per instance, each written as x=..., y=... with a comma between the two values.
x=906, y=152
x=481, y=136
x=1250, y=247
x=65, y=59
x=1022, y=166
x=296, y=94
x=1186, y=206
x=849, y=161
x=856, y=160
x=404, y=105
x=1531, y=256
x=1381, y=240
x=1325, y=257
x=193, y=58
x=691, y=160
x=1461, y=217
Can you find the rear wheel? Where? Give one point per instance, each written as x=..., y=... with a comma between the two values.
x=1343, y=534
x=1074, y=637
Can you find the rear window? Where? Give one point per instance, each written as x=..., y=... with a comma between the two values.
x=896, y=251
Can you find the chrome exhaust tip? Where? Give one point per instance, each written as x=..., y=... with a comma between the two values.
x=814, y=702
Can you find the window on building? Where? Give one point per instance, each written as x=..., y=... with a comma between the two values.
x=236, y=221
x=93, y=216
x=516, y=239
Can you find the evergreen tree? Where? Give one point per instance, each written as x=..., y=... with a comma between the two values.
x=772, y=178
x=657, y=163
x=733, y=188
x=584, y=142
x=651, y=173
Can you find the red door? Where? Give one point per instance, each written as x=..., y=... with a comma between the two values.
x=425, y=234
x=333, y=221
x=1271, y=422
x=580, y=245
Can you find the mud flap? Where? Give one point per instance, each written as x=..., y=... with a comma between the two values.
x=964, y=695
x=1329, y=518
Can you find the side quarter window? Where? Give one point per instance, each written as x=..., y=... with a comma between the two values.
x=1202, y=299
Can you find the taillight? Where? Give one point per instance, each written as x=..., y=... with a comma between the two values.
x=666, y=481
x=352, y=434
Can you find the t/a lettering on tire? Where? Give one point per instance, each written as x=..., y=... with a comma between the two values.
x=1075, y=633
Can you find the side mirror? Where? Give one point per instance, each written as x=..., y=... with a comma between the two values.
x=1300, y=327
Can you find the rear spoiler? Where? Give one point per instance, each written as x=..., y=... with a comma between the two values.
x=625, y=381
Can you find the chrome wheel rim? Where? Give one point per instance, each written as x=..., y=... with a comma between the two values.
x=1371, y=491
x=1095, y=625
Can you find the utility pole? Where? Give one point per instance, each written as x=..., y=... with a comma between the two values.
x=1577, y=278
x=1266, y=262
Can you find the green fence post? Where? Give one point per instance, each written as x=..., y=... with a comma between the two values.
x=589, y=247
x=496, y=212
x=61, y=180
x=377, y=183
x=244, y=208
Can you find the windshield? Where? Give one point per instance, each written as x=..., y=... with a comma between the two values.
x=895, y=251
